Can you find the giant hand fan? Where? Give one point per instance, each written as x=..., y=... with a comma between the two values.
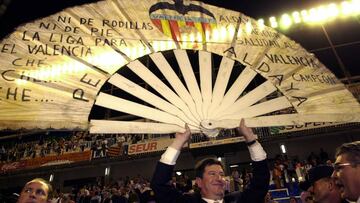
x=162, y=64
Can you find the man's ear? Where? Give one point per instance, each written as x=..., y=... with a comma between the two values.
x=332, y=185
x=198, y=181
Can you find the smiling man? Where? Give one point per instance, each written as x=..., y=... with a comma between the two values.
x=35, y=191
x=210, y=175
x=347, y=170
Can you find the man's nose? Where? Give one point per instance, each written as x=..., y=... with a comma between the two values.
x=219, y=177
x=334, y=174
x=33, y=194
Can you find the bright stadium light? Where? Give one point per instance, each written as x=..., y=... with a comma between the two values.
x=356, y=6
x=248, y=27
x=346, y=8
x=305, y=15
x=322, y=14
x=261, y=24
x=333, y=10
x=285, y=21
x=313, y=15
x=273, y=22
x=296, y=17
x=319, y=14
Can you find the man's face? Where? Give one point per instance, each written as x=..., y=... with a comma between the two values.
x=347, y=178
x=212, y=183
x=34, y=192
x=319, y=190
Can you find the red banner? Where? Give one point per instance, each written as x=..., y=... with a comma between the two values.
x=12, y=166
x=46, y=161
x=56, y=160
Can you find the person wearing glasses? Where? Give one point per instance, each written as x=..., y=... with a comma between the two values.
x=37, y=190
x=210, y=176
x=347, y=170
x=321, y=186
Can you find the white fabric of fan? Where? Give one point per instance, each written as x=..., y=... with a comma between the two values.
x=53, y=71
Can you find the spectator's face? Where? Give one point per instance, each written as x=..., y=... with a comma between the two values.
x=293, y=200
x=212, y=184
x=347, y=178
x=34, y=192
x=306, y=197
x=268, y=197
x=320, y=190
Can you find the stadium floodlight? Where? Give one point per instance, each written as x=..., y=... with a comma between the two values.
x=285, y=21
x=248, y=27
x=356, y=6
x=305, y=16
x=346, y=8
x=261, y=24
x=319, y=14
x=273, y=22
x=296, y=17
x=313, y=15
x=322, y=14
x=333, y=10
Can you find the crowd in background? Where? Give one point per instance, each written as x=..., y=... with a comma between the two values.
x=124, y=190
x=286, y=172
x=42, y=145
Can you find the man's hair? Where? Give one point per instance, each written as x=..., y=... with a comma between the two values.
x=351, y=150
x=201, y=165
x=50, y=189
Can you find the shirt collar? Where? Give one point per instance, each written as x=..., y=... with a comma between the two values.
x=213, y=201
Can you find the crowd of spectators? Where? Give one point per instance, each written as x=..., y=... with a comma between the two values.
x=123, y=190
x=286, y=172
x=45, y=145
x=41, y=146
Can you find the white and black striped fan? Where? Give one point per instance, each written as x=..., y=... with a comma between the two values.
x=199, y=88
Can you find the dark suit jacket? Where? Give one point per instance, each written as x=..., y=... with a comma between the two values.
x=255, y=193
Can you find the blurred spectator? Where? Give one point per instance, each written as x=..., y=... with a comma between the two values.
x=269, y=198
x=321, y=186
x=347, y=170
x=292, y=200
x=323, y=156
x=306, y=197
x=35, y=191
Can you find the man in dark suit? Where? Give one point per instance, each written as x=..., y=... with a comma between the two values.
x=210, y=175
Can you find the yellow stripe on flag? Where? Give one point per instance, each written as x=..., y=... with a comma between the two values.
x=181, y=23
x=166, y=27
x=200, y=29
